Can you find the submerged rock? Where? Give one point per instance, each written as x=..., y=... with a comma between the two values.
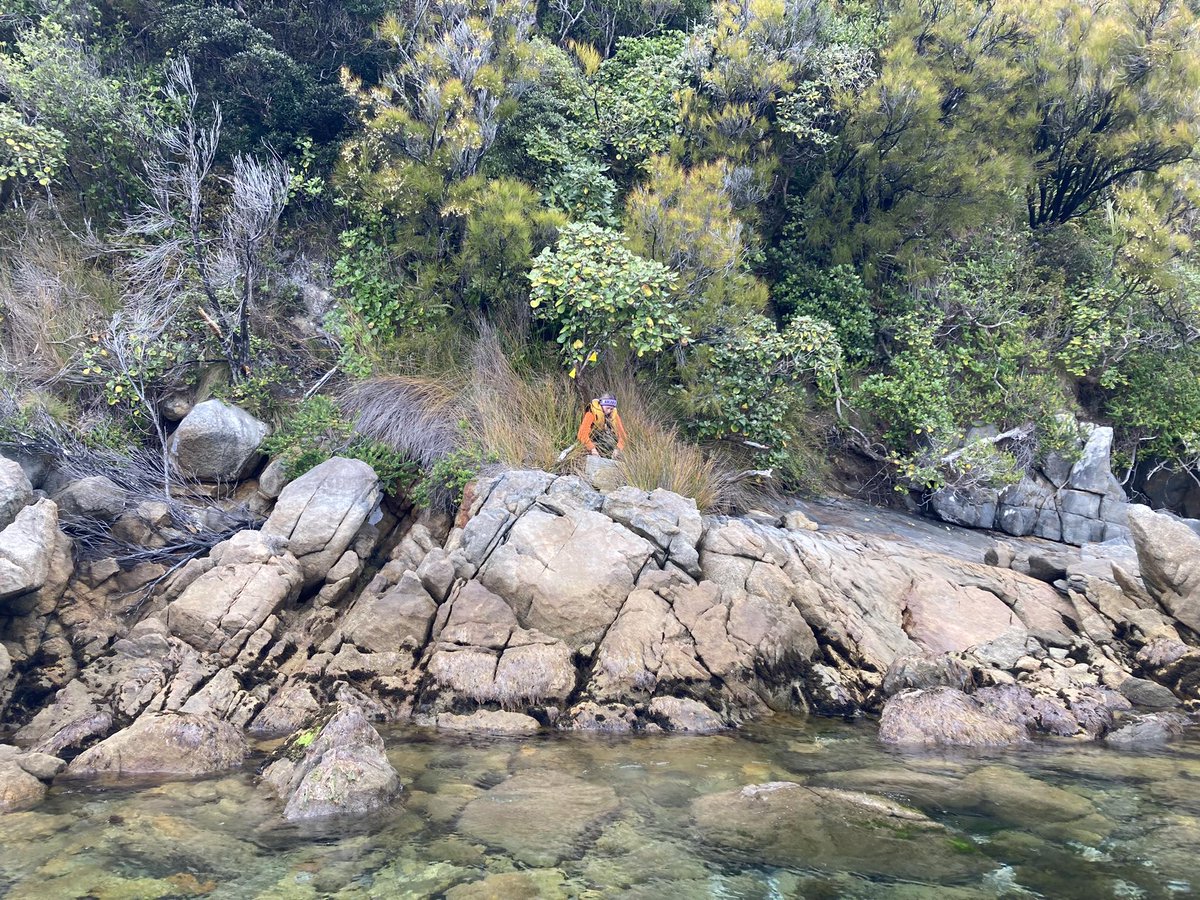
x=337, y=767
x=165, y=744
x=538, y=817
x=787, y=824
x=486, y=721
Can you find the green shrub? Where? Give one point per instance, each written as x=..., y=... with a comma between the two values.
x=448, y=477
x=317, y=431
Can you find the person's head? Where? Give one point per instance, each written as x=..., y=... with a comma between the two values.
x=608, y=402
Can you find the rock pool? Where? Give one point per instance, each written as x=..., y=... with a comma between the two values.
x=783, y=808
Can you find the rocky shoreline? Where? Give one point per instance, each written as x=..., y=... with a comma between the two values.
x=550, y=604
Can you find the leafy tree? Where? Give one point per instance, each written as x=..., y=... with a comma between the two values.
x=505, y=223
x=600, y=297
x=685, y=219
x=29, y=154
x=90, y=124
x=835, y=295
x=745, y=380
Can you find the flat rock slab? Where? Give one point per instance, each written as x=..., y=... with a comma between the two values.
x=538, y=817
x=788, y=824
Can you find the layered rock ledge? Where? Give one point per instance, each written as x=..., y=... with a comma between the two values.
x=550, y=604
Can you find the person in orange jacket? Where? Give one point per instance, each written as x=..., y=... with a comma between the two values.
x=601, y=429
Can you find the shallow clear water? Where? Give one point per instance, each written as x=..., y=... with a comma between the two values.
x=1056, y=820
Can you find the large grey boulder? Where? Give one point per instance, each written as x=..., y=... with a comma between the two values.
x=165, y=744
x=217, y=442
x=15, y=491
x=252, y=577
x=321, y=511
x=337, y=767
x=27, y=549
x=96, y=497
x=1169, y=556
x=974, y=509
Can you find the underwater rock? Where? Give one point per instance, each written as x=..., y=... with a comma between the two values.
x=539, y=817
x=788, y=824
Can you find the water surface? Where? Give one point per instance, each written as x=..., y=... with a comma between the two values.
x=1056, y=820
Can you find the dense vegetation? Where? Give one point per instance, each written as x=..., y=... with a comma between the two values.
x=770, y=224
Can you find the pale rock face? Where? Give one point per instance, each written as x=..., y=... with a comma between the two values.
x=165, y=744
x=320, y=512
x=566, y=575
x=400, y=617
x=15, y=491
x=480, y=653
x=221, y=609
x=217, y=442
x=19, y=790
x=27, y=548
x=1169, y=555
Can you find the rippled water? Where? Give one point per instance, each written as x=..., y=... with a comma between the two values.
x=1057, y=820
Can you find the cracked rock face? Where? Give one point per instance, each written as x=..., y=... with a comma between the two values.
x=550, y=604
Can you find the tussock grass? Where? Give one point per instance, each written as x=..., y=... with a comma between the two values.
x=50, y=296
x=524, y=421
x=413, y=414
x=529, y=419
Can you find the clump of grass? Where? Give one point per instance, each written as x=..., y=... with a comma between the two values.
x=414, y=415
x=497, y=416
x=658, y=456
x=50, y=295
x=521, y=421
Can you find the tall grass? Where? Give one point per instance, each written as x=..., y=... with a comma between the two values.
x=50, y=296
x=524, y=421
x=529, y=419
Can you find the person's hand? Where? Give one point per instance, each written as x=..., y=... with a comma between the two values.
x=594, y=452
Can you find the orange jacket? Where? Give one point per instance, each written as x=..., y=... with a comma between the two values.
x=591, y=423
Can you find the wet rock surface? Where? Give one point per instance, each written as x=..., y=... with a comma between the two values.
x=336, y=767
x=164, y=744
